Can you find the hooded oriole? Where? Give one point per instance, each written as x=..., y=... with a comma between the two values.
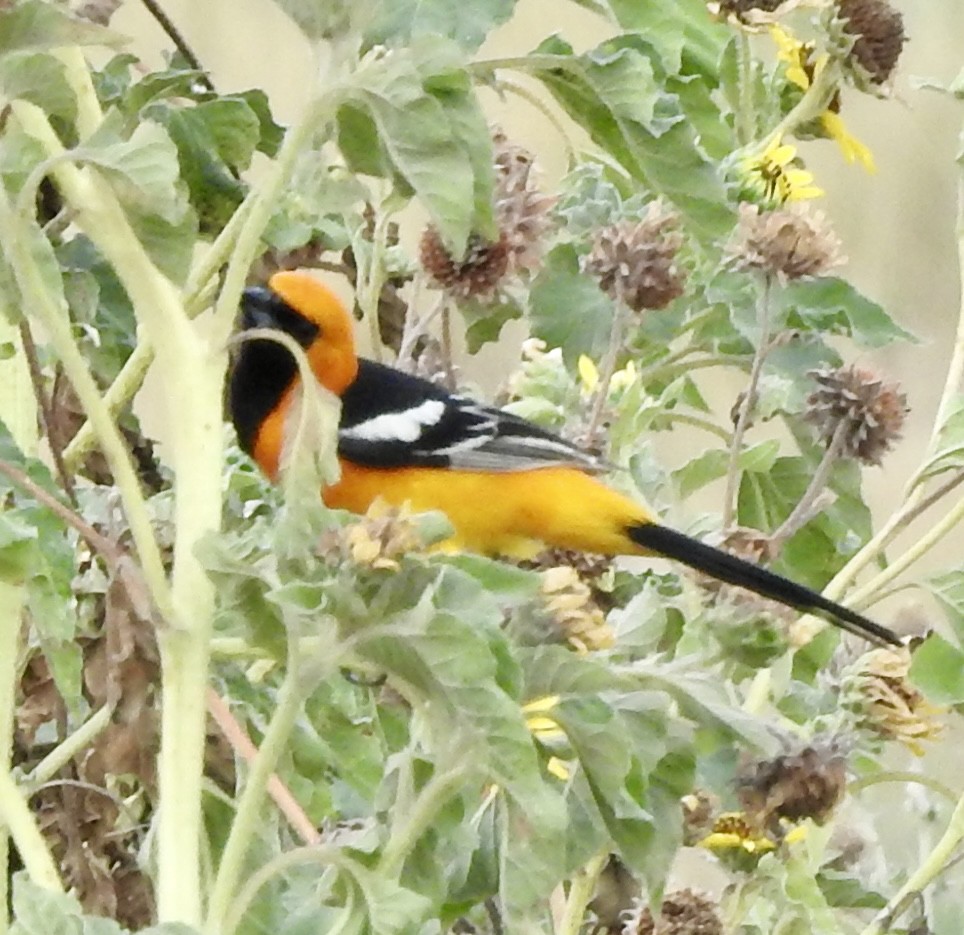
x=506, y=485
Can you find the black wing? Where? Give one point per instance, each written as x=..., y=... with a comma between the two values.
x=393, y=419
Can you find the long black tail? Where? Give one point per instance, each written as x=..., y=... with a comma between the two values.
x=661, y=540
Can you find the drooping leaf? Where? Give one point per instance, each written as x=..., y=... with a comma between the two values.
x=412, y=113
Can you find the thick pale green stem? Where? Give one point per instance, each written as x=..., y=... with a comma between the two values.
x=193, y=377
x=18, y=410
x=581, y=891
x=16, y=815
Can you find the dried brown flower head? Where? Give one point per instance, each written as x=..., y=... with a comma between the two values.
x=856, y=402
x=635, y=261
x=475, y=274
x=750, y=12
x=522, y=213
x=791, y=242
x=888, y=702
x=806, y=784
x=877, y=32
x=573, y=613
x=522, y=210
x=684, y=912
x=382, y=536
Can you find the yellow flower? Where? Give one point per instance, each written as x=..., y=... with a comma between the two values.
x=558, y=768
x=588, y=373
x=732, y=830
x=800, y=70
x=794, y=54
x=853, y=150
x=540, y=725
x=780, y=178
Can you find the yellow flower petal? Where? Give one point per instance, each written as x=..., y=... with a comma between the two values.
x=545, y=703
x=558, y=768
x=587, y=372
x=853, y=150
x=543, y=725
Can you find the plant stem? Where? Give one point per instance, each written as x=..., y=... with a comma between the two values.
x=193, y=377
x=606, y=371
x=67, y=749
x=813, y=103
x=924, y=875
x=325, y=856
x=16, y=815
x=374, y=279
x=684, y=418
x=43, y=303
x=431, y=799
x=866, y=594
x=896, y=775
x=581, y=890
x=803, y=511
x=247, y=816
x=263, y=201
x=530, y=97
x=913, y=499
x=241, y=743
x=749, y=401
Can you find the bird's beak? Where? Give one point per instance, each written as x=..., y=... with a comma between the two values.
x=256, y=308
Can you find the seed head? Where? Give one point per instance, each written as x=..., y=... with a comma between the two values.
x=635, y=261
x=793, y=786
x=888, y=703
x=876, y=30
x=684, y=912
x=384, y=535
x=750, y=12
x=791, y=242
x=870, y=412
x=699, y=812
x=523, y=212
x=523, y=216
x=574, y=613
x=476, y=274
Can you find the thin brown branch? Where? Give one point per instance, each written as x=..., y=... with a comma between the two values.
x=180, y=43
x=242, y=744
x=46, y=411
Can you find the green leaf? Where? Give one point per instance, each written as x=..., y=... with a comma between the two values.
x=413, y=113
x=834, y=306
x=36, y=25
x=937, y=669
x=568, y=310
x=484, y=322
x=400, y=21
x=616, y=93
x=948, y=588
x=144, y=169
x=700, y=471
x=18, y=548
x=38, y=78
x=949, y=446
x=215, y=141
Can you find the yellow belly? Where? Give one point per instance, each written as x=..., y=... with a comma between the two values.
x=516, y=513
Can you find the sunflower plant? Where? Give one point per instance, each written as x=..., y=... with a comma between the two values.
x=225, y=709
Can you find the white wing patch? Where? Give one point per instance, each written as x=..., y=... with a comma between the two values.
x=404, y=426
